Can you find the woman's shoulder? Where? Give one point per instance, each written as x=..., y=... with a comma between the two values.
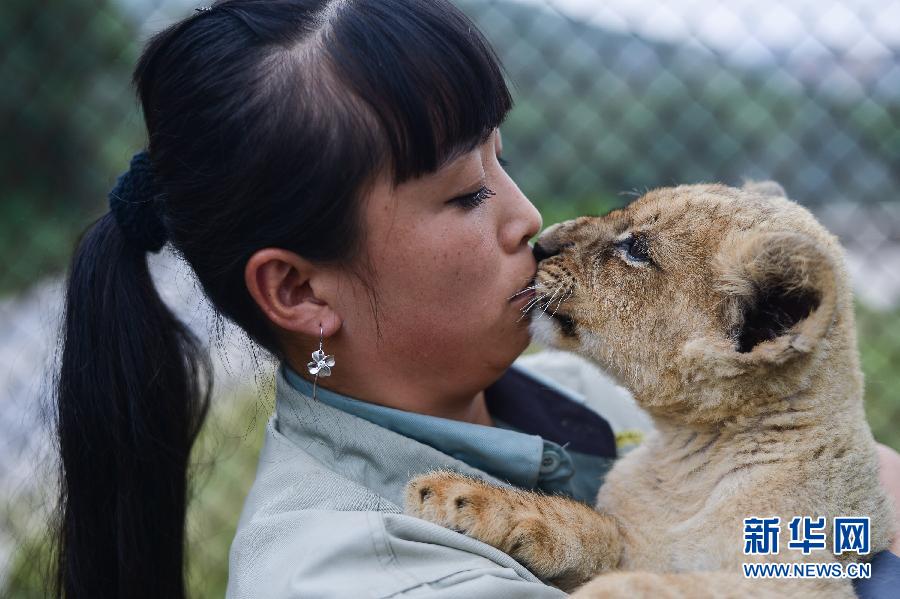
x=322, y=552
x=307, y=530
x=290, y=480
x=323, y=535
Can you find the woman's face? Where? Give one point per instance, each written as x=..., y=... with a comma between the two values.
x=444, y=271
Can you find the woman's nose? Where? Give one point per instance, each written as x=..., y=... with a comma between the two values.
x=522, y=222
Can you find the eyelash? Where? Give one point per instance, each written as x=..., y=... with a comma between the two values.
x=474, y=199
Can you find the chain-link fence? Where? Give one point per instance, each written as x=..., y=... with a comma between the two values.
x=612, y=98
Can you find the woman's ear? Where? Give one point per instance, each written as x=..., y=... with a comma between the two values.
x=292, y=292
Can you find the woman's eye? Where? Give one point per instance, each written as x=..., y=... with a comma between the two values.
x=636, y=247
x=474, y=199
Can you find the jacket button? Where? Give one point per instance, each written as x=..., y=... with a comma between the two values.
x=549, y=462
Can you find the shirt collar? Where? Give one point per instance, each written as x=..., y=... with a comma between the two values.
x=506, y=454
x=537, y=420
x=313, y=435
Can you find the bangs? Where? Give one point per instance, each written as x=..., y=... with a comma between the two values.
x=431, y=81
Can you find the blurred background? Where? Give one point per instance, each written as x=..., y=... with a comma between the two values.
x=612, y=98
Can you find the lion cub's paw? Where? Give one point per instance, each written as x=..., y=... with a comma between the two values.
x=527, y=526
x=455, y=501
x=494, y=515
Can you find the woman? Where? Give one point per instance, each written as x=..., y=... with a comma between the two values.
x=331, y=172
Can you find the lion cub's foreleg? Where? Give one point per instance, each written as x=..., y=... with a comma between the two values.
x=560, y=540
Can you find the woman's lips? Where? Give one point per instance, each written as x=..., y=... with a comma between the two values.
x=523, y=297
x=525, y=293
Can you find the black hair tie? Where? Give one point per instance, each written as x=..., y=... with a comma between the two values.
x=136, y=205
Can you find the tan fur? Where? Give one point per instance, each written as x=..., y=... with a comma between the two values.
x=777, y=429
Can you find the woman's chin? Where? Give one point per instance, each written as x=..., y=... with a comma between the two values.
x=518, y=341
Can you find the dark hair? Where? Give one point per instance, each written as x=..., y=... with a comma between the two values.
x=267, y=120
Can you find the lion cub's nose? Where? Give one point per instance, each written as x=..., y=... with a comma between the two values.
x=540, y=252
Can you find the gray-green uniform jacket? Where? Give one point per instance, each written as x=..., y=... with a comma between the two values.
x=324, y=516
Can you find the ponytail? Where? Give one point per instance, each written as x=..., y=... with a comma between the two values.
x=131, y=398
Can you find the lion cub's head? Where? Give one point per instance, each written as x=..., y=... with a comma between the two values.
x=701, y=299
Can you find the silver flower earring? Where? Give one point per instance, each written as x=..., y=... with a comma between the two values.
x=321, y=364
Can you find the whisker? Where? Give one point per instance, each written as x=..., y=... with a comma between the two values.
x=558, y=303
x=562, y=299
x=544, y=307
x=526, y=290
x=531, y=303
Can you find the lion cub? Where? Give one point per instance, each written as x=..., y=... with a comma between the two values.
x=728, y=315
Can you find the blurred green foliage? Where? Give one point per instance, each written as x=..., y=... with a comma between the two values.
x=68, y=126
x=878, y=333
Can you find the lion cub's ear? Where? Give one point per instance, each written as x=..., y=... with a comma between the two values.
x=780, y=290
x=779, y=302
x=766, y=188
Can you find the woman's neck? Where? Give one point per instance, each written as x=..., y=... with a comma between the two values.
x=478, y=413
x=472, y=409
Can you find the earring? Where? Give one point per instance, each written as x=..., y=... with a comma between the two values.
x=321, y=364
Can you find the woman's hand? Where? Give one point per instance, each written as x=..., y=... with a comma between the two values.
x=889, y=473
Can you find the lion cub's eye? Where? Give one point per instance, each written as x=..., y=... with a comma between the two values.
x=636, y=248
